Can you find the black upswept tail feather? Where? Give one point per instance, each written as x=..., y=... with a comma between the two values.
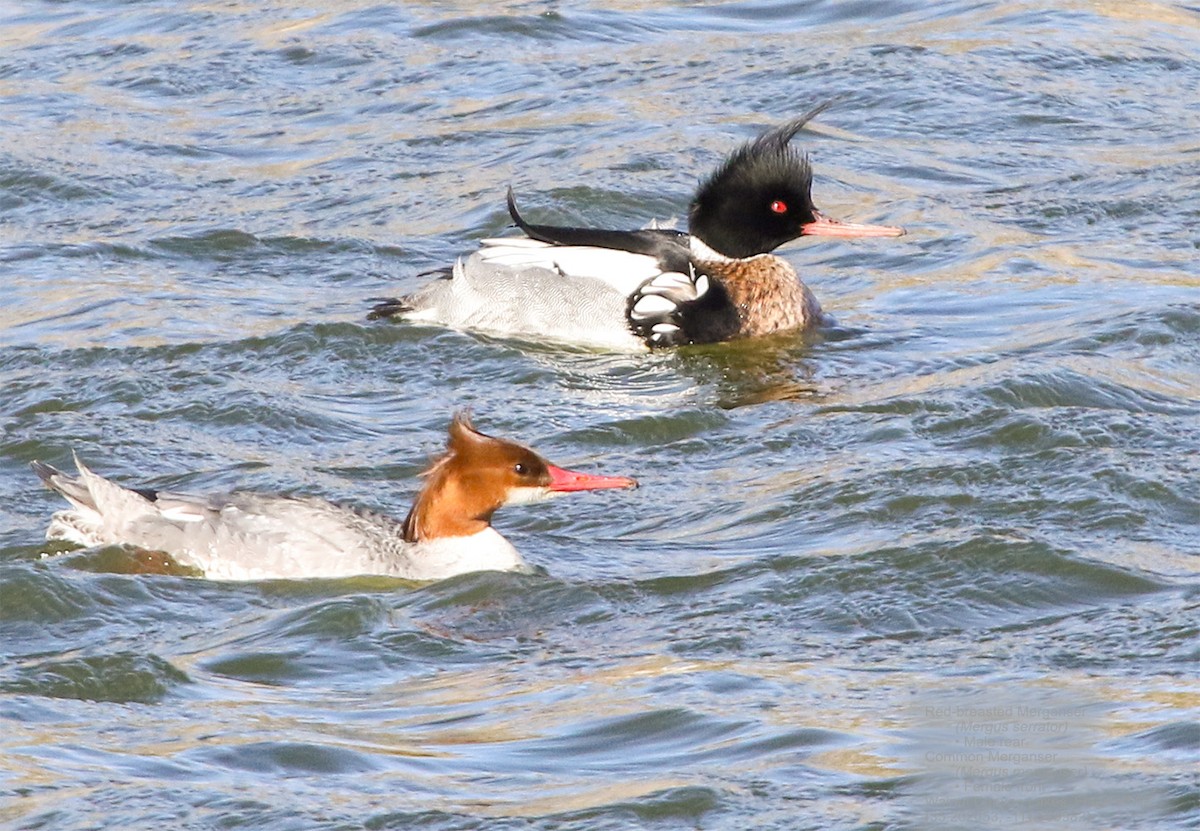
x=668, y=247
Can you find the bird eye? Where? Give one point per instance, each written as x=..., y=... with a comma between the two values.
x=520, y=469
x=779, y=206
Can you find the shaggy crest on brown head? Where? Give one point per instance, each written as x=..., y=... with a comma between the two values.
x=478, y=474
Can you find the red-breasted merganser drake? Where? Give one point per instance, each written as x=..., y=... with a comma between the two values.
x=251, y=536
x=652, y=287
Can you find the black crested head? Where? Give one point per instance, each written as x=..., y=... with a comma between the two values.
x=760, y=196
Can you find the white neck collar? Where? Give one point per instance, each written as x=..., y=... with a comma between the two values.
x=703, y=251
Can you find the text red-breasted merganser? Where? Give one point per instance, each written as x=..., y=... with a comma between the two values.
x=251, y=536
x=651, y=287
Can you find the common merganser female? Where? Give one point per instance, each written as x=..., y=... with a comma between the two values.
x=251, y=536
x=652, y=287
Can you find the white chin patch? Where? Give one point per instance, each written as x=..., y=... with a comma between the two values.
x=520, y=496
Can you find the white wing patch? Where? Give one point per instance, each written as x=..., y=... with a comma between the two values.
x=622, y=270
x=660, y=296
x=652, y=305
x=184, y=513
x=655, y=313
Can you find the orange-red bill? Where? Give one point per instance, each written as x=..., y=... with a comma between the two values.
x=823, y=226
x=565, y=481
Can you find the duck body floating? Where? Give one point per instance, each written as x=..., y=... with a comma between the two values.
x=254, y=536
x=651, y=287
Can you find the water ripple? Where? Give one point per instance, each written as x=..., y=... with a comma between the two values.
x=980, y=477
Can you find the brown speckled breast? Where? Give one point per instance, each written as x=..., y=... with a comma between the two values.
x=768, y=294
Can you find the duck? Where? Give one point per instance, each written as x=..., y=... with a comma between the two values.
x=254, y=536
x=653, y=287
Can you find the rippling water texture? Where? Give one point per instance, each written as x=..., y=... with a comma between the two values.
x=936, y=567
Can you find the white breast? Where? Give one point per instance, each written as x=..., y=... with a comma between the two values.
x=446, y=557
x=251, y=536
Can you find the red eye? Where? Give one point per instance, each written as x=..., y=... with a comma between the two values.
x=779, y=206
